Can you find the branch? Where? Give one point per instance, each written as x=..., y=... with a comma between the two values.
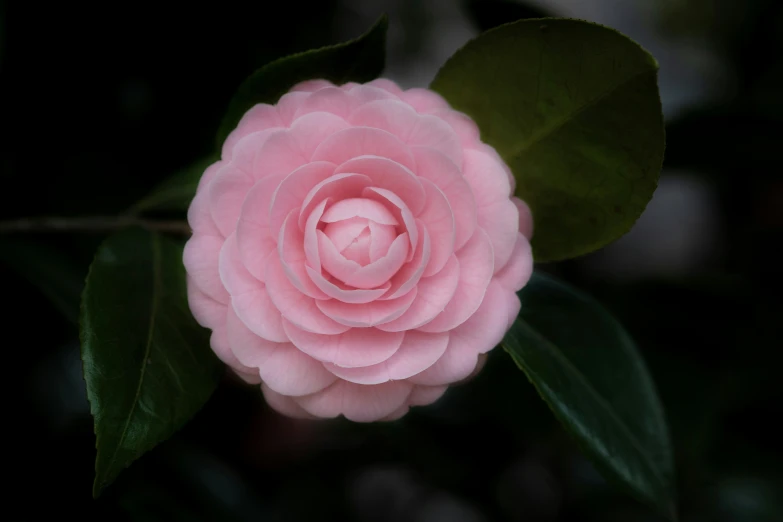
x=92, y=224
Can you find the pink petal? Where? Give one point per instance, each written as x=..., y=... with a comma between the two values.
x=525, y=218
x=359, y=207
x=337, y=187
x=396, y=414
x=289, y=103
x=479, y=334
x=259, y=314
x=357, y=296
x=343, y=233
x=463, y=125
x=278, y=154
x=389, y=175
x=381, y=238
x=386, y=85
x=424, y=100
x=423, y=395
x=490, y=151
x=363, y=141
x=284, y=404
x=207, y=312
x=292, y=191
x=233, y=274
x=244, y=152
x=220, y=345
x=248, y=349
x=366, y=93
x=290, y=372
x=401, y=213
x=260, y=117
x=436, y=167
x=411, y=272
x=497, y=215
x=391, y=115
x=311, y=236
x=290, y=247
x=438, y=218
x=433, y=295
x=513, y=306
x=209, y=173
x=200, y=258
x=311, y=85
x=518, y=270
x=313, y=128
x=254, y=237
x=475, y=272
x=328, y=99
x=370, y=314
x=457, y=363
x=418, y=352
x=227, y=191
x=433, y=132
x=357, y=402
x=299, y=309
x=200, y=217
x=354, y=347
x=369, y=276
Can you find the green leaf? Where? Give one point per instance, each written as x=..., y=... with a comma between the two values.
x=54, y=274
x=589, y=372
x=359, y=60
x=175, y=192
x=573, y=108
x=487, y=14
x=147, y=363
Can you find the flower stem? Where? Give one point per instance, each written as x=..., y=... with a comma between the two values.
x=91, y=224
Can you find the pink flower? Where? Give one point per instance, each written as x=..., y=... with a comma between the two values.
x=355, y=249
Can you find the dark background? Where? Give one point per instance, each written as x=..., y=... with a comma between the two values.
x=100, y=102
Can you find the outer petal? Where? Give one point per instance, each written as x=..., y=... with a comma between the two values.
x=363, y=141
x=219, y=343
x=259, y=314
x=497, y=215
x=463, y=125
x=438, y=218
x=255, y=238
x=227, y=191
x=233, y=274
x=200, y=217
x=356, y=402
x=284, y=404
x=291, y=249
x=355, y=347
x=207, y=312
x=418, y=352
x=386, y=85
x=424, y=100
x=518, y=270
x=292, y=191
x=439, y=169
x=313, y=128
x=370, y=314
x=476, y=266
x=479, y=334
x=298, y=308
x=329, y=99
x=525, y=218
x=260, y=117
x=390, y=175
x=289, y=103
x=433, y=295
x=423, y=395
x=200, y=258
x=312, y=85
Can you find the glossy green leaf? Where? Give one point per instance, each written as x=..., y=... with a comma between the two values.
x=573, y=108
x=589, y=372
x=147, y=363
x=175, y=192
x=359, y=60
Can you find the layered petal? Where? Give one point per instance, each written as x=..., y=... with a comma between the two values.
x=357, y=402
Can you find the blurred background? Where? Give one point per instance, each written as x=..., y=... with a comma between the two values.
x=100, y=102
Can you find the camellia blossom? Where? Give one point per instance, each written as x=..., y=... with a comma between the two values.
x=356, y=249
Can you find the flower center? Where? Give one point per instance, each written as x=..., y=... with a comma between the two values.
x=360, y=229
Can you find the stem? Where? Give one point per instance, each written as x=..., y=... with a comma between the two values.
x=92, y=224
